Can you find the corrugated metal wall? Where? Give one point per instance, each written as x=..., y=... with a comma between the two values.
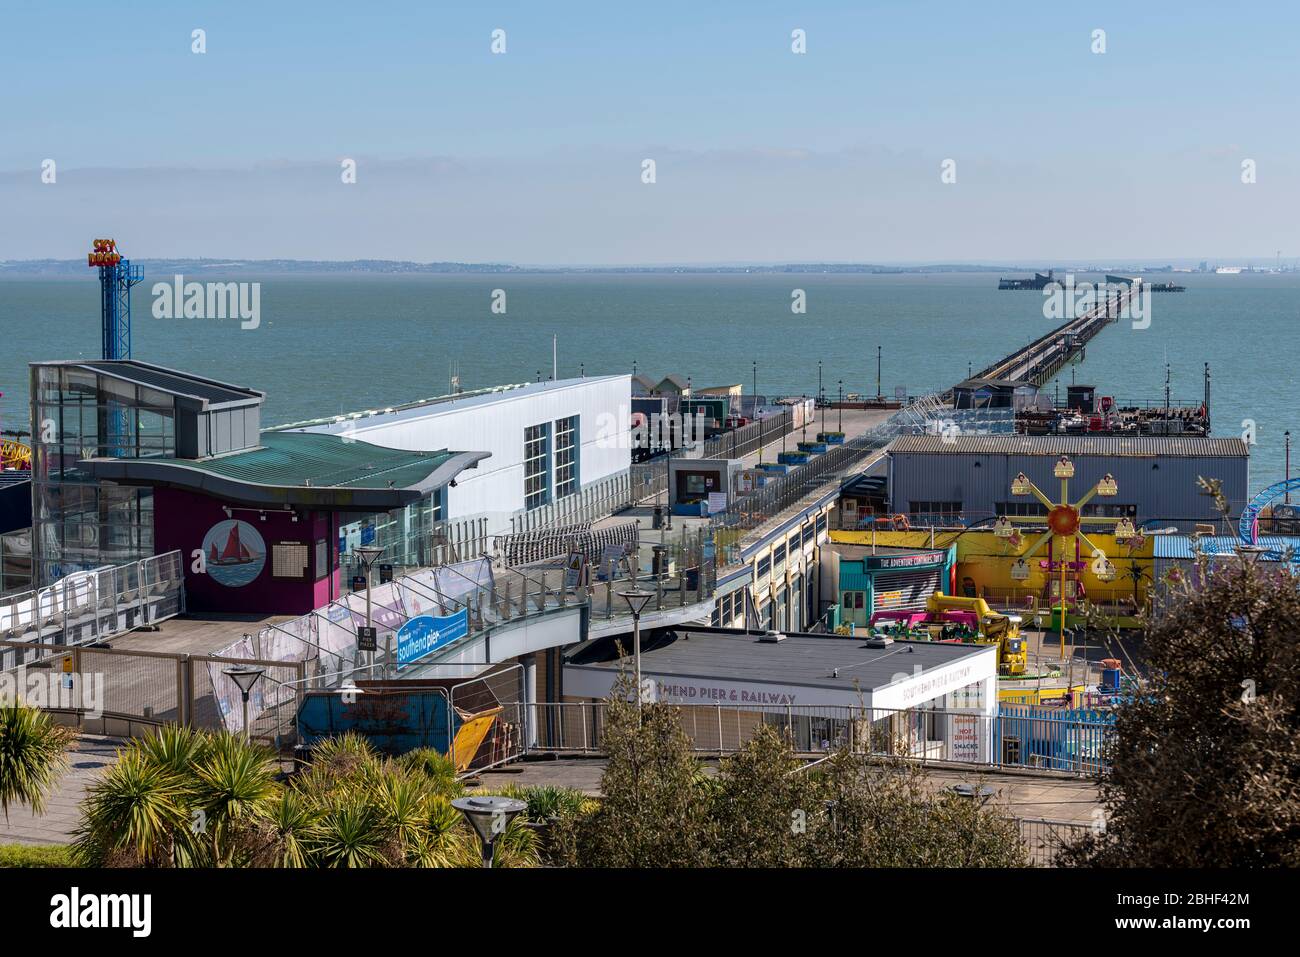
x=1161, y=488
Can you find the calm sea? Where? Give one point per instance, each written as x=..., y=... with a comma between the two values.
x=334, y=344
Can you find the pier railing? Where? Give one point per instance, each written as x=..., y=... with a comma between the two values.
x=1018, y=737
x=650, y=478
x=827, y=470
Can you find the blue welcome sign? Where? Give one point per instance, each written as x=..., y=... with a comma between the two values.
x=424, y=634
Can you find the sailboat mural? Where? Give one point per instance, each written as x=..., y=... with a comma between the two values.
x=235, y=553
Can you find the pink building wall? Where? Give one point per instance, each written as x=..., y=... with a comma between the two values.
x=239, y=577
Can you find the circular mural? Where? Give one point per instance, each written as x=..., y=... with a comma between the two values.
x=235, y=553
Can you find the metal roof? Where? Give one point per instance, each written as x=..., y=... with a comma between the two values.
x=1180, y=546
x=1139, y=446
x=209, y=391
x=979, y=382
x=443, y=405
x=300, y=468
x=800, y=659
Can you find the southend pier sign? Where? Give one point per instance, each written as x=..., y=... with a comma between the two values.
x=425, y=634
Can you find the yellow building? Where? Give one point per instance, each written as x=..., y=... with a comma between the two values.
x=985, y=567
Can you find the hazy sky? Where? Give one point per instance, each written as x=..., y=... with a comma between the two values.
x=535, y=155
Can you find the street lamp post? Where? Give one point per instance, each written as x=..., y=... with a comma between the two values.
x=367, y=555
x=1287, y=476
x=668, y=473
x=636, y=601
x=840, y=403
x=245, y=678
x=489, y=817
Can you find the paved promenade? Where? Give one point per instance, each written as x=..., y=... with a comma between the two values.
x=89, y=755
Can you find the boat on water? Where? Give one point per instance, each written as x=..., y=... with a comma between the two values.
x=1039, y=281
x=235, y=552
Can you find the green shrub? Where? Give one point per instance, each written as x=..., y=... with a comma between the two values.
x=437, y=767
x=35, y=855
x=32, y=756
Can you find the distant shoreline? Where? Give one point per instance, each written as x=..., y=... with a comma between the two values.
x=64, y=268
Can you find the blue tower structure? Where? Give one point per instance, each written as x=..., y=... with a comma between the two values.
x=116, y=277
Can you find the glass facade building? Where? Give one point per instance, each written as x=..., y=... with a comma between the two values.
x=408, y=535
x=78, y=522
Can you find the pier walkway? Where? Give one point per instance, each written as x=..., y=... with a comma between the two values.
x=1038, y=361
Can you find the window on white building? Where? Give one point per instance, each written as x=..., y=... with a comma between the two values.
x=536, y=462
x=566, y=456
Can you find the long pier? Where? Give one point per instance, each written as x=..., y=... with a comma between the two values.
x=1041, y=359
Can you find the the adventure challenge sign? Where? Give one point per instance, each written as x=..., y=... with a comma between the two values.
x=905, y=561
x=427, y=633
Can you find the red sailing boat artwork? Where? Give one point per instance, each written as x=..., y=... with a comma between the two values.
x=235, y=553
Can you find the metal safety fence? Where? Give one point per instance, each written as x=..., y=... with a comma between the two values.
x=92, y=605
x=497, y=699
x=1044, y=839
x=591, y=503
x=122, y=691
x=1017, y=738
x=649, y=479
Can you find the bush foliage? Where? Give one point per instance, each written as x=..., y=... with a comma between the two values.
x=1205, y=760
x=764, y=808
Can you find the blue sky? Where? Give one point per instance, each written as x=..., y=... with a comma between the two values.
x=534, y=156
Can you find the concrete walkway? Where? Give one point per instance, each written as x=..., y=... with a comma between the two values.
x=87, y=758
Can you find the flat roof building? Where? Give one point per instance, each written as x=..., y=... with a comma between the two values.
x=803, y=676
x=552, y=445
x=963, y=479
x=712, y=665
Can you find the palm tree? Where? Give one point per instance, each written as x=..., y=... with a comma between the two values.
x=1136, y=573
x=436, y=766
x=32, y=756
x=290, y=823
x=352, y=835
x=136, y=814
x=234, y=790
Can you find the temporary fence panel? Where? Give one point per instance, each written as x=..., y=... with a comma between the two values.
x=490, y=719
x=1044, y=839
x=946, y=736
x=1060, y=739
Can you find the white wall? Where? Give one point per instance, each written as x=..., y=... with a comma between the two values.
x=922, y=689
x=495, y=423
